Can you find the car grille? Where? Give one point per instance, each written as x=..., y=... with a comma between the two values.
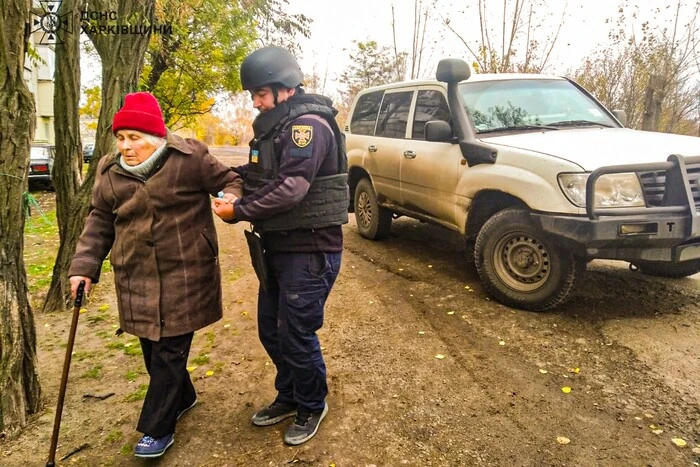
x=654, y=185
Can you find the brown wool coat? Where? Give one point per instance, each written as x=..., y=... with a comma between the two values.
x=163, y=243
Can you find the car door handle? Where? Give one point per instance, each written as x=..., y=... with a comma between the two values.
x=409, y=154
x=372, y=148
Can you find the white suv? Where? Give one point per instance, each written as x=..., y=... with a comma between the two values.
x=536, y=174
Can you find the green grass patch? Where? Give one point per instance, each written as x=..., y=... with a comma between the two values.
x=93, y=373
x=104, y=334
x=41, y=223
x=114, y=436
x=127, y=450
x=138, y=395
x=80, y=356
x=201, y=359
x=39, y=274
x=131, y=347
x=211, y=337
x=94, y=319
x=233, y=275
x=133, y=374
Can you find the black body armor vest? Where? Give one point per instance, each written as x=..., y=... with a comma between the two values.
x=326, y=202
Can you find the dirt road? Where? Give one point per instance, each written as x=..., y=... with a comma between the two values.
x=626, y=345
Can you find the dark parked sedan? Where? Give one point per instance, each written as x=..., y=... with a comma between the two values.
x=41, y=164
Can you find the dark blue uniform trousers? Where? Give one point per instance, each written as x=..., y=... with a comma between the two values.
x=289, y=315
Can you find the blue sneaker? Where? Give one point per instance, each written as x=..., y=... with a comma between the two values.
x=182, y=412
x=153, y=447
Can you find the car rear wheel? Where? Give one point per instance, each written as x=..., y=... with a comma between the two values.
x=521, y=267
x=666, y=269
x=373, y=221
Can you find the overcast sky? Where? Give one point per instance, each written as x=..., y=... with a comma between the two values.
x=334, y=29
x=335, y=25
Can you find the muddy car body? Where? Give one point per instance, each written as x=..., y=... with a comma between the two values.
x=538, y=176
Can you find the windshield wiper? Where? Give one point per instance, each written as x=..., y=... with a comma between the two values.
x=518, y=127
x=579, y=123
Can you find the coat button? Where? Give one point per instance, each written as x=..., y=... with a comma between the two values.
x=150, y=242
x=162, y=322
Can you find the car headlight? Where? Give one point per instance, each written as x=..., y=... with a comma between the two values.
x=611, y=191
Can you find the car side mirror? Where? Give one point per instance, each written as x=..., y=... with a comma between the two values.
x=439, y=131
x=621, y=115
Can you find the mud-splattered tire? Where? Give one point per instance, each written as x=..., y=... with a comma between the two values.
x=669, y=270
x=521, y=267
x=373, y=221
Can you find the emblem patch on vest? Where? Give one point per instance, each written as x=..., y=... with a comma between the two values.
x=302, y=135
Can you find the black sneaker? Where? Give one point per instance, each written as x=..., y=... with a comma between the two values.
x=305, y=426
x=274, y=413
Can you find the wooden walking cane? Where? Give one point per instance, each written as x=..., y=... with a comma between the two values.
x=64, y=377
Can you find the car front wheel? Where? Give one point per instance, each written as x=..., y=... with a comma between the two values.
x=373, y=221
x=521, y=267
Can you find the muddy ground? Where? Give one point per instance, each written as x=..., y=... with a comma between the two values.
x=626, y=345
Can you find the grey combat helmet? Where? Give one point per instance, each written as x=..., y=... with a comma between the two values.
x=270, y=65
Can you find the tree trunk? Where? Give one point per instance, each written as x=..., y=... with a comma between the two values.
x=19, y=380
x=66, y=170
x=122, y=59
x=652, y=104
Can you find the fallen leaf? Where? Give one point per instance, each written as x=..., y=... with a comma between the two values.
x=421, y=332
x=209, y=373
x=563, y=440
x=657, y=432
x=696, y=450
x=227, y=325
x=83, y=310
x=190, y=369
x=439, y=356
x=502, y=343
x=400, y=269
x=430, y=265
x=543, y=371
x=450, y=312
x=566, y=389
x=574, y=370
x=679, y=442
x=244, y=313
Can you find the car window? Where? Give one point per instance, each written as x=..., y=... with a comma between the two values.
x=40, y=152
x=393, y=115
x=508, y=103
x=430, y=105
x=364, y=117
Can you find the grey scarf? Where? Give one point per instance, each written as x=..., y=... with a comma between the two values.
x=145, y=168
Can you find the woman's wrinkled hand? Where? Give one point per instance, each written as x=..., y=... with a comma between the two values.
x=75, y=281
x=223, y=207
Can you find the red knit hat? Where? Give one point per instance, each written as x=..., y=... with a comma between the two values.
x=140, y=112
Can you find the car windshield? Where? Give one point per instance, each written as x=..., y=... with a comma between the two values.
x=40, y=152
x=506, y=105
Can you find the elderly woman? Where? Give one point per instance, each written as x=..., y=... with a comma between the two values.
x=151, y=209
